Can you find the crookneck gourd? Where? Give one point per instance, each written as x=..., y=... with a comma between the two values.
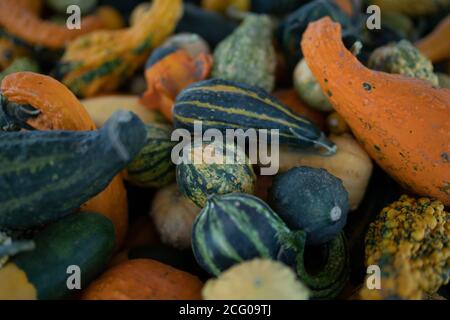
x=25, y=24
x=402, y=123
x=410, y=242
x=237, y=227
x=103, y=60
x=48, y=174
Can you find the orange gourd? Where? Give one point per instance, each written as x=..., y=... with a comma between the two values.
x=403, y=123
x=436, y=45
x=22, y=21
x=144, y=279
x=168, y=77
x=59, y=109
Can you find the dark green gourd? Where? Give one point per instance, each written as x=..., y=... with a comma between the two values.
x=312, y=200
x=153, y=166
x=45, y=175
x=248, y=55
x=221, y=104
x=238, y=227
x=200, y=179
x=84, y=239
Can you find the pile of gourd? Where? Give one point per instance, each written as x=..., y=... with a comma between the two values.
x=92, y=205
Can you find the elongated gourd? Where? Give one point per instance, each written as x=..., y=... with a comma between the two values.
x=403, y=123
x=436, y=46
x=221, y=104
x=103, y=60
x=47, y=174
x=84, y=240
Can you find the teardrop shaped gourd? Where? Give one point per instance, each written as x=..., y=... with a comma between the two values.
x=101, y=61
x=403, y=123
x=48, y=174
x=221, y=104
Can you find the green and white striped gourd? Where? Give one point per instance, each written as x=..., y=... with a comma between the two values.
x=45, y=175
x=222, y=104
x=153, y=166
x=201, y=177
x=238, y=227
x=248, y=55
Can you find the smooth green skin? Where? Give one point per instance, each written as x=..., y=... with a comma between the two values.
x=247, y=55
x=83, y=239
x=45, y=175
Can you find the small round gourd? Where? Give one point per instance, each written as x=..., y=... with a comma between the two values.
x=309, y=89
x=174, y=215
x=311, y=200
x=258, y=279
x=200, y=178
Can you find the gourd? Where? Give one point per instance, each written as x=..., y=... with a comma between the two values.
x=173, y=215
x=26, y=25
x=193, y=43
x=153, y=166
x=10, y=50
x=410, y=143
x=309, y=89
x=311, y=200
x=223, y=5
x=258, y=279
x=103, y=60
x=237, y=227
x=290, y=98
x=435, y=46
x=102, y=107
x=48, y=174
x=144, y=279
x=214, y=169
x=403, y=58
x=247, y=55
x=85, y=240
x=295, y=24
x=49, y=105
x=244, y=107
x=20, y=64
x=168, y=77
x=351, y=164
x=412, y=8
x=409, y=241
x=10, y=247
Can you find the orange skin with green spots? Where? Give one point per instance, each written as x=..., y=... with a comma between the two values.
x=403, y=123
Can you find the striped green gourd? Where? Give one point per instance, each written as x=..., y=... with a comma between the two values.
x=45, y=175
x=222, y=104
x=238, y=227
x=200, y=179
x=153, y=166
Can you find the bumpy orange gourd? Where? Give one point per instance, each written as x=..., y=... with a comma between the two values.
x=403, y=123
x=22, y=21
x=144, y=279
x=436, y=45
x=168, y=77
x=61, y=110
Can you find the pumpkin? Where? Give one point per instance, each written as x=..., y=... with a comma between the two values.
x=214, y=169
x=103, y=60
x=247, y=55
x=243, y=106
x=168, y=77
x=403, y=58
x=258, y=279
x=56, y=108
x=435, y=46
x=26, y=25
x=85, y=240
x=351, y=164
x=102, y=107
x=173, y=215
x=55, y=172
x=144, y=279
x=153, y=166
x=311, y=200
x=410, y=143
